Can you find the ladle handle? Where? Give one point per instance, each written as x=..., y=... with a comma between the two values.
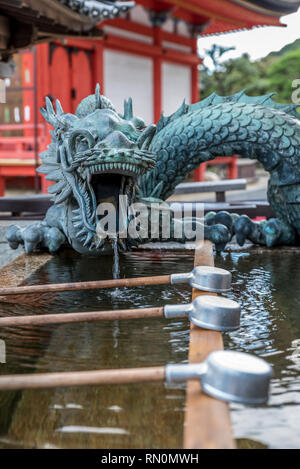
x=65, y=318
x=82, y=378
x=178, y=311
x=183, y=372
x=93, y=285
x=180, y=278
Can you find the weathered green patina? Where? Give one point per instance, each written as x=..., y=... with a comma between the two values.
x=98, y=154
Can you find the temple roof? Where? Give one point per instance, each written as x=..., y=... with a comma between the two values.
x=218, y=16
x=260, y=13
x=281, y=7
x=98, y=10
x=27, y=22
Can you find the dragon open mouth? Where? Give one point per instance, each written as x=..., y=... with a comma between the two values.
x=108, y=187
x=102, y=179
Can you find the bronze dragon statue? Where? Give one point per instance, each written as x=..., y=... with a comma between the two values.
x=98, y=154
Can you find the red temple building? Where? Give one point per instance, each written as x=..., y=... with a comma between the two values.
x=147, y=51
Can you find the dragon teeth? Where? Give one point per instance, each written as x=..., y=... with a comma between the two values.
x=100, y=243
x=88, y=239
x=78, y=224
x=102, y=167
x=81, y=233
x=76, y=216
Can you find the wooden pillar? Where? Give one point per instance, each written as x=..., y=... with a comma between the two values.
x=28, y=91
x=195, y=88
x=43, y=75
x=199, y=173
x=157, y=76
x=98, y=65
x=2, y=186
x=232, y=168
x=43, y=89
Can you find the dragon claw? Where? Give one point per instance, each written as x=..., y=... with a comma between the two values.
x=219, y=235
x=240, y=239
x=13, y=236
x=36, y=236
x=242, y=229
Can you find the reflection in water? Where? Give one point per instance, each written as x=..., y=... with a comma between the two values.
x=99, y=431
x=93, y=417
x=267, y=285
x=149, y=415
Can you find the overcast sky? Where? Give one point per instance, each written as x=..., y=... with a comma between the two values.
x=257, y=42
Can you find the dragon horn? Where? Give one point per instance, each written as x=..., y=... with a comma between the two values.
x=128, y=110
x=98, y=96
x=49, y=106
x=56, y=120
x=49, y=114
x=59, y=109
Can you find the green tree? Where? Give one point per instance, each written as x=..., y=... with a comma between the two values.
x=233, y=76
x=274, y=73
x=282, y=73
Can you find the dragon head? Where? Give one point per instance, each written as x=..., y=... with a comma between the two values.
x=95, y=156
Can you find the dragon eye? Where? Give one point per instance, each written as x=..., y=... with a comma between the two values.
x=80, y=140
x=81, y=144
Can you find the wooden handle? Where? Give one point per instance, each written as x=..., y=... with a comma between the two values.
x=139, y=313
x=114, y=283
x=82, y=378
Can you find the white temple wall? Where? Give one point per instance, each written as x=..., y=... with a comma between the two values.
x=128, y=75
x=176, y=86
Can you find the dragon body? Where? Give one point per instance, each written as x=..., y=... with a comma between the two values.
x=98, y=154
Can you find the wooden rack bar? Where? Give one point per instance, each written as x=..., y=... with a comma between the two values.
x=207, y=420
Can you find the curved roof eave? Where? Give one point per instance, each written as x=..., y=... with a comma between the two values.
x=97, y=10
x=270, y=7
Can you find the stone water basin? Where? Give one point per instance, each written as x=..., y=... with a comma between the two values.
x=148, y=415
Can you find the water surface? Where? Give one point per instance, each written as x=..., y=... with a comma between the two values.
x=149, y=415
x=125, y=416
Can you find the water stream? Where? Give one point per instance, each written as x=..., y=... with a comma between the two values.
x=116, y=261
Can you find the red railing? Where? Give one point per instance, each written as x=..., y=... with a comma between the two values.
x=19, y=153
x=229, y=161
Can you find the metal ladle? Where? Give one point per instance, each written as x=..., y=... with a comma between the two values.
x=229, y=376
x=207, y=311
x=204, y=278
